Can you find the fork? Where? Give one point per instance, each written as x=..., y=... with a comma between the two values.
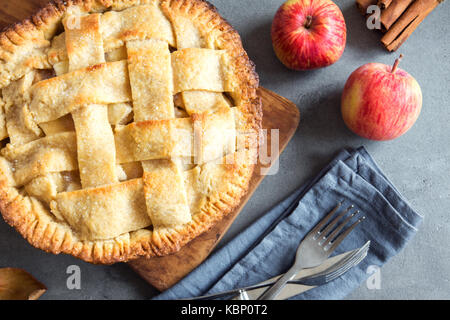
x=316, y=247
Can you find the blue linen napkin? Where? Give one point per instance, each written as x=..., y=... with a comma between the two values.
x=266, y=248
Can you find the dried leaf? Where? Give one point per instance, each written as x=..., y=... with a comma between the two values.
x=17, y=284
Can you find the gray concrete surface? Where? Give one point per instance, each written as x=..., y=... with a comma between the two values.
x=418, y=163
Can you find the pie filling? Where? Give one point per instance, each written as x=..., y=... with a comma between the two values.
x=124, y=132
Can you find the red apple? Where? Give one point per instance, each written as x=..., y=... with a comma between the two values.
x=381, y=102
x=308, y=34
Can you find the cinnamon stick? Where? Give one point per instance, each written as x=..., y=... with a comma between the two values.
x=407, y=23
x=383, y=4
x=393, y=12
x=364, y=4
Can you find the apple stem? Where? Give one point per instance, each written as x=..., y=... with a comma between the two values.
x=397, y=61
x=308, y=22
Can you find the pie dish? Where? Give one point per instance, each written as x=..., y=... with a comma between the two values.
x=128, y=127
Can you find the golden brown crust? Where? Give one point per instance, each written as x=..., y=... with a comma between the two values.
x=22, y=48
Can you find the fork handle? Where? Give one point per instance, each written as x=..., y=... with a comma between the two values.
x=274, y=290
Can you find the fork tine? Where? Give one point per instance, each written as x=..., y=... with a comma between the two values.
x=341, y=237
x=333, y=223
x=336, y=275
x=353, y=263
x=322, y=222
x=354, y=260
x=338, y=229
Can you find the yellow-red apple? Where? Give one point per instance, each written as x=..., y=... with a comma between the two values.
x=308, y=34
x=381, y=102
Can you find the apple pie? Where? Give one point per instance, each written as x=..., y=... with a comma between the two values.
x=128, y=127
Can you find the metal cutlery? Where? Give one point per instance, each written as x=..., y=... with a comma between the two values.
x=298, y=286
x=316, y=247
x=330, y=270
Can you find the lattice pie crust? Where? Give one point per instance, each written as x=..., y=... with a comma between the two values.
x=128, y=127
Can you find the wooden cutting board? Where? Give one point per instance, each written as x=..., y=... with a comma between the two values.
x=163, y=272
x=14, y=11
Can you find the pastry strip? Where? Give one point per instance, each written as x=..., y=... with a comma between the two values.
x=151, y=79
x=201, y=69
x=149, y=64
x=20, y=125
x=165, y=193
x=165, y=139
x=84, y=41
x=151, y=140
x=218, y=134
x=140, y=22
x=188, y=32
x=105, y=212
x=95, y=146
x=63, y=124
x=54, y=153
x=95, y=139
x=46, y=187
x=203, y=101
x=105, y=83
